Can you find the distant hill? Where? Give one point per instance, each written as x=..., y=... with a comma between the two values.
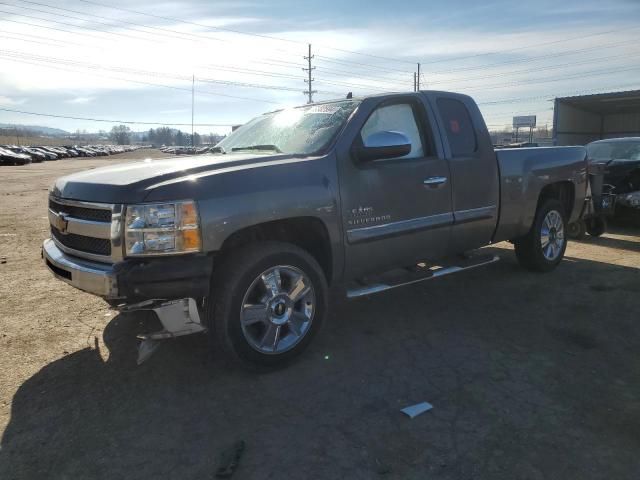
x=36, y=129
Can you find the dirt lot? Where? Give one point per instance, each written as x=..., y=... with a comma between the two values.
x=531, y=376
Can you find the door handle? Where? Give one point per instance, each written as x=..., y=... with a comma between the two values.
x=435, y=181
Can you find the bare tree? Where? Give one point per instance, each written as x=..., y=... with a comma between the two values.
x=120, y=134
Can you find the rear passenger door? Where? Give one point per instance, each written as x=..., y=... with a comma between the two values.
x=474, y=171
x=392, y=216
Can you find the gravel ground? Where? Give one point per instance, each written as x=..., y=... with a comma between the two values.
x=531, y=376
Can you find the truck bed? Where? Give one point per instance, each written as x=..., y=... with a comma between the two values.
x=524, y=172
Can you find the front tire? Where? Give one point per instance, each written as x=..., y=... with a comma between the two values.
x=542, y=249
x=268, y=302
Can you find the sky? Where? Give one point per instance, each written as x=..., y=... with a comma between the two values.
x=135, y=61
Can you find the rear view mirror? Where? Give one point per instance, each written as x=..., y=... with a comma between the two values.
x=385, y=144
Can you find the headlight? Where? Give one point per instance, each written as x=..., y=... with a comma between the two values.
x=162, y=229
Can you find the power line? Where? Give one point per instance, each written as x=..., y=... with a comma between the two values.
x=73, y=25
x=360, y=86
x=207, y=66
x=546, y=97
x=24, y=40
x=590, y=73
x=196, y=37
x=369, y=65
x=165, y=30
x=38, y=58
x=119, y=121
x=529, y=70
x=75, y=18
x=553, y=42
x=140, y=82
x=83, y=34
x=533, y=59
x=171, y=19
x=367, y=75
x=241, y=32
x=21, y=35
x=262, y=73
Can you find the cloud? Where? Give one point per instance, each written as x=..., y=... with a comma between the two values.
x=8, y=101
x=81, y=100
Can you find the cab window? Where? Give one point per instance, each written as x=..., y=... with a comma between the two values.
x=398, y=118
x=459, y=128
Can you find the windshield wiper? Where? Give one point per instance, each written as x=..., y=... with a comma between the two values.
x=258, y=147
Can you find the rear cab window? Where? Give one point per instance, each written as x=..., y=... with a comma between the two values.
x=459, y=128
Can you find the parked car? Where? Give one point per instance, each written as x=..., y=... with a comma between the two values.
x=36, y=156
x=9, y=157
x=370, y=194
x=48, y=155
x=22, y=150
x=620, y=158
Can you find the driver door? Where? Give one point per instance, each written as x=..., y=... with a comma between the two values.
x=396, y=211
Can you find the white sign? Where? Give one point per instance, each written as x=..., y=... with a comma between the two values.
x=526, y=121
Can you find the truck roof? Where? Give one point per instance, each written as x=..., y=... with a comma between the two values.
x=375, y=95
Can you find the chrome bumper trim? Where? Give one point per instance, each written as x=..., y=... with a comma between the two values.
x=92, y=277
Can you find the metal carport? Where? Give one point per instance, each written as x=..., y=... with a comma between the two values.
x=583, y=119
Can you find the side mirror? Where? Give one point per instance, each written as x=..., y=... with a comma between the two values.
x=385, y=144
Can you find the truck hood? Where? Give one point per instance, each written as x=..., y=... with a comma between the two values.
x=132, y=182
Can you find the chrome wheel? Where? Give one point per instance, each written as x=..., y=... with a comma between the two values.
x=277, y=309
x=552, y=235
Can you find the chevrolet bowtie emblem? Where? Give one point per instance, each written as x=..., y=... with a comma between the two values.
x=61, y=222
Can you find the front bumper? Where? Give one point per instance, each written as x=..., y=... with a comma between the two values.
x=133, y=280
x=92, y=277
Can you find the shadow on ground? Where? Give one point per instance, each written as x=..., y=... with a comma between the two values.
x=620, y=243
x=531, y=376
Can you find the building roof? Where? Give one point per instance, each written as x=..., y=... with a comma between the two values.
x=604, y=103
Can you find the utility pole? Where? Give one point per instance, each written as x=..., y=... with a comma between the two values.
x=193, y=93
x=418, y=82
x=415, y=85
x=309, y=81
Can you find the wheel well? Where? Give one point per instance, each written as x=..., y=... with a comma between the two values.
x=562, y=191
x=308, y=233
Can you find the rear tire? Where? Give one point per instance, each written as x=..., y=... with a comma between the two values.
x=542, y=249
x=596, y=226
x=267, y=302
x=577, y=230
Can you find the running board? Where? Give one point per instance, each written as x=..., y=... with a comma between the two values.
x=425, y=274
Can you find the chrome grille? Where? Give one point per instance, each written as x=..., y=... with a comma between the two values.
x=83, y=213
x=97, y=246
x=87, y=230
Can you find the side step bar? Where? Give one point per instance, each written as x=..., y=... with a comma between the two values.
x=426, y=274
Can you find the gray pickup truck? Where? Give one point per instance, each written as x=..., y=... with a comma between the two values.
x=365, y=193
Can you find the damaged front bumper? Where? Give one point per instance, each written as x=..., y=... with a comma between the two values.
x=178, y=318
x=89, y=276
x=132, y=280
x=170, y=287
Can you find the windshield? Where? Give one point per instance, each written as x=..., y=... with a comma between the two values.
x=629, y=150
x=302, y=130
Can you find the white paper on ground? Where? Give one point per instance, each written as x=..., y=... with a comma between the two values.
x=417, y=409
